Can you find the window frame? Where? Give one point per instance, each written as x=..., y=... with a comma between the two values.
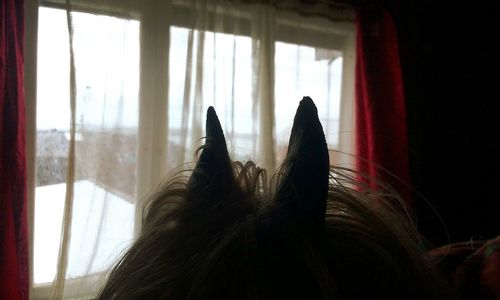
x=318, y=34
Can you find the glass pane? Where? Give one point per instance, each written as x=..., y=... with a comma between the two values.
x=306, y=71
x=107, y=68
x=226, y=84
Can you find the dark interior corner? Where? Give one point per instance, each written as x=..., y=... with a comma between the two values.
x=451, y=71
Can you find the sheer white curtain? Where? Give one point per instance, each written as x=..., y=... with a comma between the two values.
x=143, y=74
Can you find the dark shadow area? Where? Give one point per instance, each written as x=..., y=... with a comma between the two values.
x=450, y=60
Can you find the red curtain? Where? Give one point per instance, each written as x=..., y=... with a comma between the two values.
x=381, y=127
x=14, y=274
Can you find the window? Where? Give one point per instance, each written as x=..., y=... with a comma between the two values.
x=117, y=135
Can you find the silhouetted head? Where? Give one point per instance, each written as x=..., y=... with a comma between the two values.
x=224, y=234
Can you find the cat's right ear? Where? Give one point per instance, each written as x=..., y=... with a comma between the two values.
x=303, y=187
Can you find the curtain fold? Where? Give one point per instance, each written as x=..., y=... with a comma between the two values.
x=381, y=127
x=14, y=262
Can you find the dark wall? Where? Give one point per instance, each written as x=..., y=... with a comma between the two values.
x=450, y=60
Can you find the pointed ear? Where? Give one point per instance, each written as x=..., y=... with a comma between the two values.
x=213, y=173
x=303, y=187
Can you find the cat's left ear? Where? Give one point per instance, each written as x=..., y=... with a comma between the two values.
x=213, y=174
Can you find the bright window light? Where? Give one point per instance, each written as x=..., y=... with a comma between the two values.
x=107, y=121
x=107, y=52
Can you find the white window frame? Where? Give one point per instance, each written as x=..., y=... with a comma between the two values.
x=319, y=34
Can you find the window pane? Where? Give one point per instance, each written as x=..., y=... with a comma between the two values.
x=107, y=68
x=306, y=71
x=226, y=83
